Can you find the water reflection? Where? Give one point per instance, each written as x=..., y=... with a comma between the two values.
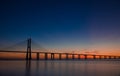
x=45, y=68
x=59, y=68
x=37, y=68
x=28, y=68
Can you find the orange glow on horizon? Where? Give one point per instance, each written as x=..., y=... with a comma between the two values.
x=56, y=56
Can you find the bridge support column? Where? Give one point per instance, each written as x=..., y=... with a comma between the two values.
x=28, y=53
x=78, y=56
x=109, y=57
x=105, y=57
x=119, y=57
x=85, y=56
x=46, y=56
x=37, y=56
x=66, y=56
x=73, y=56
x=60, y=56
x=94, y=56
x=52, y=56
x=100, y=57
x=114, y=57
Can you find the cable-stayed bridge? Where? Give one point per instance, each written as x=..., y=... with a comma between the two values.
x=29, y=47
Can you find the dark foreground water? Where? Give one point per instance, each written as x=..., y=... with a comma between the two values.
x=60, y=68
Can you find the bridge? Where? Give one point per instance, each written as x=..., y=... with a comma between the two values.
x=67, y=56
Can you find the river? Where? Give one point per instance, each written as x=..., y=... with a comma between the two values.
x=59, y=68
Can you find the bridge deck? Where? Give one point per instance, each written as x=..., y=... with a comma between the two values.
x=52, y=53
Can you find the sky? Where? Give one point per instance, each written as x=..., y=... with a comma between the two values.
x=80, y=24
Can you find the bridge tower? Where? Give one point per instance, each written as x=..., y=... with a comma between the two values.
x=28, y=54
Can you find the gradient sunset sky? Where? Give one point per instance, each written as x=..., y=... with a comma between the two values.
x=79, y=24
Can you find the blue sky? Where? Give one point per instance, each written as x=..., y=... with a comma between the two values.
x=61, y=23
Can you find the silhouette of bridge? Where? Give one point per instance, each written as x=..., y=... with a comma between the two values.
x=29, y=53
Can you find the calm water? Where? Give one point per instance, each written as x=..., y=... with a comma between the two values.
x=60, y=68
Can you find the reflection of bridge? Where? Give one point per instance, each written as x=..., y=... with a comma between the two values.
x=60, y=55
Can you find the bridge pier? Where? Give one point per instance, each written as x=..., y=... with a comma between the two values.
x=119, y=57
x=37, y=56
x=28, y=53
x=52, y=56
x=78, y=56
x=105, y=57
x=60, y=56
x=110, y=57
x=114, y=57
x=94, y=56
x=46, y=56
x=100, y=57
x=66, y=56
x=85, y=56
x=73, y=57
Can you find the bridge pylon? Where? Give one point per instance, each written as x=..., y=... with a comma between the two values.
x=28, y=53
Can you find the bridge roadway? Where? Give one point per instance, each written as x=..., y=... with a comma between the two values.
x=66, y=54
